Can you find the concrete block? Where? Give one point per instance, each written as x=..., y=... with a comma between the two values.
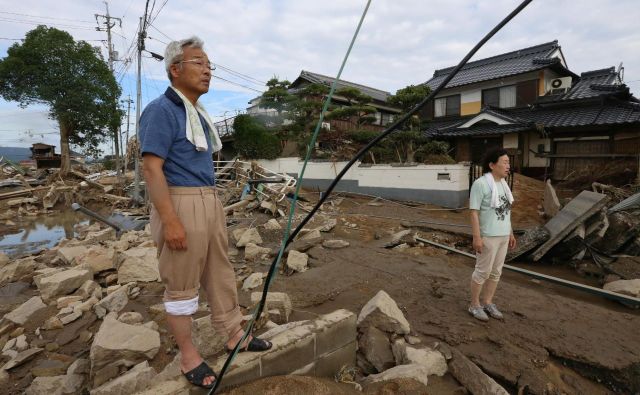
x=573, y=214
x=308, y=370
x=240, y=371
x=334, y=330
x=329, y=364
x=550, y=202
x=288, y=359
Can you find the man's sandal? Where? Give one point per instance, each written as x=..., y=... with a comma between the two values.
x=255, y=345
x=197, y=375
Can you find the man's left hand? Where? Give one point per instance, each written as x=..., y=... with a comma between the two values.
x=512, y=241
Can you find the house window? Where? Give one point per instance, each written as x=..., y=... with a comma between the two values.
x=503, y=97
x=386, y=118
x=446, y=106
x=378, y=120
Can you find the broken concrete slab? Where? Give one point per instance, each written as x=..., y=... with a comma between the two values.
x=249, y=236
x=205, y=338
x=136, y=379
x=118, y=341
x=272, y=224
x=21, y=358
x=432, y=359
x=62, y=283
x=113, y=302
x=550, y=203
x=571, y=246
x=472, y=377
x=275, y=300
x=69, y=254
x=25, y=311
x=626, y=287
x=253, y=281
x=97, y=259
x=138, y=264
x=573, y=214
x=253, y=252
x=63, y=385
x=298, y=261
x=526, y=242
x=413, y=371
x=623, y=227
x=20, y=270
x=335, y=244
x=374, y=346
x=383, y=313
x=131, y=318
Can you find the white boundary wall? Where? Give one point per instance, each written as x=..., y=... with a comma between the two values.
x=444, y=185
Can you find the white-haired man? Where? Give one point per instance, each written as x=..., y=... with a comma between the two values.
x=187, y=218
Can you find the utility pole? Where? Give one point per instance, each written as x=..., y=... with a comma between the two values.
x=112, y=56
x=128, y=101
x=142, y=34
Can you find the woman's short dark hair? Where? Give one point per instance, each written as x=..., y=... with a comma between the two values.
x=492, y=156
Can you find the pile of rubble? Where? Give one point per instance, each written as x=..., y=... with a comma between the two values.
x=594, y=232
x=31, y=192
x=387, y=351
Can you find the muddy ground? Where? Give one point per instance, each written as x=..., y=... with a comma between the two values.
x=553, y=339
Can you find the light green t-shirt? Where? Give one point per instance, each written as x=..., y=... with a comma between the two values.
x=493, y=221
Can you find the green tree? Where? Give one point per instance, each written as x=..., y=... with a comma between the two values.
x=71, y=77
x=253, y=141
x=410, y=136
x=358, y=111
x=277, y=95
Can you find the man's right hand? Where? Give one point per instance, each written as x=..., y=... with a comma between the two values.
x=477, y=244
x=174, y=235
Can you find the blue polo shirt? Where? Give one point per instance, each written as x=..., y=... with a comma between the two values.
x=163, y=133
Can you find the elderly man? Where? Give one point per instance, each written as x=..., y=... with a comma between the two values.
x=187, y=219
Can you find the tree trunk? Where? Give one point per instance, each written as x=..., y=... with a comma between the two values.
x=117, y=144
x=411, y=153
x=65, y=159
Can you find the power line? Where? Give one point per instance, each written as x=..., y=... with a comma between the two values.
x=239, y=74
x=157, y=13
x=158, y=30
x=235, y=83
x=45, y=17
x=25, y=22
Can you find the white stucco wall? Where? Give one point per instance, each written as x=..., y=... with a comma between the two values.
x=535, y=139
x=386, y=176
x=510, y=140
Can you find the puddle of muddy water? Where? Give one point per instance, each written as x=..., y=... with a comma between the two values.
x=42, y=232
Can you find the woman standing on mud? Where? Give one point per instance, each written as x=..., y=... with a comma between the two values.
x=490, y=206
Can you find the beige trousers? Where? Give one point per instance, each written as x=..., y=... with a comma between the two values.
x=204, y=263
x=490, y=262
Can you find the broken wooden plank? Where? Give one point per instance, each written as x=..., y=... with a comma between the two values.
x=573, y=214
x=237, y=205
x=472, y=377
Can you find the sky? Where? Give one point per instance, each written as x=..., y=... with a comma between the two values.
x=401, y=43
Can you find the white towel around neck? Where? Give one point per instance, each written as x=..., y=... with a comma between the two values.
x=494, y=190
x=194, y=129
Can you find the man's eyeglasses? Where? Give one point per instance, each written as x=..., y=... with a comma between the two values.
x=200, y=63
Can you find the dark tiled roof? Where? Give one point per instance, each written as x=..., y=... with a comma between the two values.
x=589, y=115
x=481, y=129
x=595, y=83
x=594, y=114
x=316, y=78
x=504, y=65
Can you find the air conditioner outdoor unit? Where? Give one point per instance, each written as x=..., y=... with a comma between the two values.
x=326, y=126
x=560, y=85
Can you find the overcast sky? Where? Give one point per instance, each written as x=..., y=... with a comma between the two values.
x=401, y=42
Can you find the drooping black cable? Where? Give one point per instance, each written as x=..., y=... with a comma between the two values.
x=363, y=150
